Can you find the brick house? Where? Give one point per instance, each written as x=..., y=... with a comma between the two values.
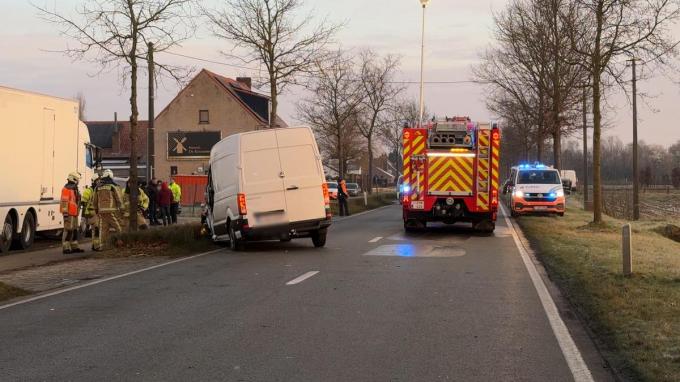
x=113, y=137
x=209, y=108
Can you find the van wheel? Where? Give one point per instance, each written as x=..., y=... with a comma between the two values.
x=234, y=243
x=6, y=234
x=25, y=240
x=319, y=238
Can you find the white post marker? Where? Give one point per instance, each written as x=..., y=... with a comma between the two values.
x=365, y=199
x=302, y=278
x=579, y=368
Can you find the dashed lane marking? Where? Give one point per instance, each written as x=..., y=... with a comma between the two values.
x=302, y=278
x=375, y=239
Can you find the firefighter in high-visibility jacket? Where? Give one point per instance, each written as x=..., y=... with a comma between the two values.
x=142, y=205
x=69, y=208
x=108, y=205
x=91, y=218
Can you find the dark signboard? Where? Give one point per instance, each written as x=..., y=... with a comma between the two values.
x=192, y=144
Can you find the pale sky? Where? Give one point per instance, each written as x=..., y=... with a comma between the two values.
x=457, y=32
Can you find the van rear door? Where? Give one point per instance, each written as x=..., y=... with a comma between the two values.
x=303, y=175
x=263, y=179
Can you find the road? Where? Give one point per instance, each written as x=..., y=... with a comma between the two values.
x=383, y=306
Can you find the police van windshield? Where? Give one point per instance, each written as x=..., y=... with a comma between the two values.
x=538, y=177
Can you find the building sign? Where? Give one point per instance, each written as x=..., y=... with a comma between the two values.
x=194, y=144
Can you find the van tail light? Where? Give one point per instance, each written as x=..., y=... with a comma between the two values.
x=242, y=209
x=494, y=198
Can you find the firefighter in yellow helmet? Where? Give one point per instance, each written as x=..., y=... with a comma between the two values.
x=108, y=205
x=142, y=205
x=69, y=208
x=91, y=218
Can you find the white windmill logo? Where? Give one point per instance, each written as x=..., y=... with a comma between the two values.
x=179, y=145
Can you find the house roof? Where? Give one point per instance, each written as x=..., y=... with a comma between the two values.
x=255, y=103
x=102, y=132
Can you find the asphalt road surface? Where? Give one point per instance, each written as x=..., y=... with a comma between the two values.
x=374, y=305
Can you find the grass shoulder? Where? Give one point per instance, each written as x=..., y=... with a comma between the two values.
x=171, y=241
x=638, y=317
x=8, y=292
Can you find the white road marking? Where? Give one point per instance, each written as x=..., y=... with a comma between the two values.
x=573, y=356
x=60, y=291
x=302, y=278
x=375, y=239
x=343, y=218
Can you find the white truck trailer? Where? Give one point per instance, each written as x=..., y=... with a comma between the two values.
x=41, y=142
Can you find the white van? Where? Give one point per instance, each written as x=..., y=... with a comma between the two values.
x=267, y=185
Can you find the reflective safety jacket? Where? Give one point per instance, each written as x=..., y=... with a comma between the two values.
x=86, y=202
x=70, y=199
x=107, y=198
x=142, y=201
x=176, y=192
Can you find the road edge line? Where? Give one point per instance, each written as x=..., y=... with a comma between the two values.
x=106, y=279
x=579, y=368
x=343, y=218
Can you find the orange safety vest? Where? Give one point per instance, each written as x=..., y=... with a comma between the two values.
x=343, y=185
x=69, y=202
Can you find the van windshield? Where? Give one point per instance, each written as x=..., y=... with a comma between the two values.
x=538, y=177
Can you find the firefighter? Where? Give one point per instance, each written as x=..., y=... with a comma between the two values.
x=142, y=205
x=91, y=218
x=69, y=208
x=108, y=205
x=343, y=195
x=176, y=199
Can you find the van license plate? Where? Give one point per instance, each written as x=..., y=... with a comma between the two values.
x=417, y=205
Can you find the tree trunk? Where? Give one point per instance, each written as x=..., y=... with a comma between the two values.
x=273, y=88
x=134, y=116
x=341, y=158
x=557, y=148
x=597, y=118
x=540, y=143
x=370, y=165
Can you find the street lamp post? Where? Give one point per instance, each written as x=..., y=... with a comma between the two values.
x=424, y=3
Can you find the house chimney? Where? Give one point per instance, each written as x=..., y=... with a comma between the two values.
x=247, y=81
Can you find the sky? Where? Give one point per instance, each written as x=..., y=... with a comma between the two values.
x=457, y=32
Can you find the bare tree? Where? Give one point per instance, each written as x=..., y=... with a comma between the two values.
x=333, y=110
x=380, y=95
x=402, y=113
x=270, y=34
x=82, y=105
x=115, y=34
x=605, y=35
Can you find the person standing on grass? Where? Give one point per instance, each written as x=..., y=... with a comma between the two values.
x=343, y=195
x=176, y=199
x=151, y=192
x=142, y=205
x=164, y=201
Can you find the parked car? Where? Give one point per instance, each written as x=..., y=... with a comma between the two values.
x=353, y=189
x=333, y=190
x=267, y=185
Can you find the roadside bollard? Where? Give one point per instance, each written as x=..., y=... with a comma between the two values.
x=627, y=246
x=365, y=199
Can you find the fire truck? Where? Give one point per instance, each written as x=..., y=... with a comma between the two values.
x=451, y=174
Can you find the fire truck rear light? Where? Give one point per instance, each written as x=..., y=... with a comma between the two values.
x=242, y=209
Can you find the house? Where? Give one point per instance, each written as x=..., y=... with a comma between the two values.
x=113, y=137
x=210, y=108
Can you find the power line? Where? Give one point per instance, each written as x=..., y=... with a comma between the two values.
x=455, y=82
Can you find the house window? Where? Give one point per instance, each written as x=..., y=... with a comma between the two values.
x=173, y=170
x=203, y=117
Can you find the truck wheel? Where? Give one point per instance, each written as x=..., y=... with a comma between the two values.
x=6, y=234
x=25, y=239
x=319, y=238
x=234, y=243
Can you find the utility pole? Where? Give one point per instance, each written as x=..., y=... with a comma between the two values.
x=636, y=173
x=585, y=146
x=150, y=152
x=424, y=3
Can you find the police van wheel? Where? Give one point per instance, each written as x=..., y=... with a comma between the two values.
x=6, y=234
x=25, y=239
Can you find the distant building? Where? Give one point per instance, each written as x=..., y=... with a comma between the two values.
x=209, y=108
x=113, y=137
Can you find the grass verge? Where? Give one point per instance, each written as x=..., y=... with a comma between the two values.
x=172, y=241
x=637, y=318
x=357, y=205
x=8, y=292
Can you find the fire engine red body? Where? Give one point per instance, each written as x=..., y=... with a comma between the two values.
x=451, y=174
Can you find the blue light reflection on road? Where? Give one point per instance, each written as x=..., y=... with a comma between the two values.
x=405, y=250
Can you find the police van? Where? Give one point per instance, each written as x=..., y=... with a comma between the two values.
x=535, y=189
